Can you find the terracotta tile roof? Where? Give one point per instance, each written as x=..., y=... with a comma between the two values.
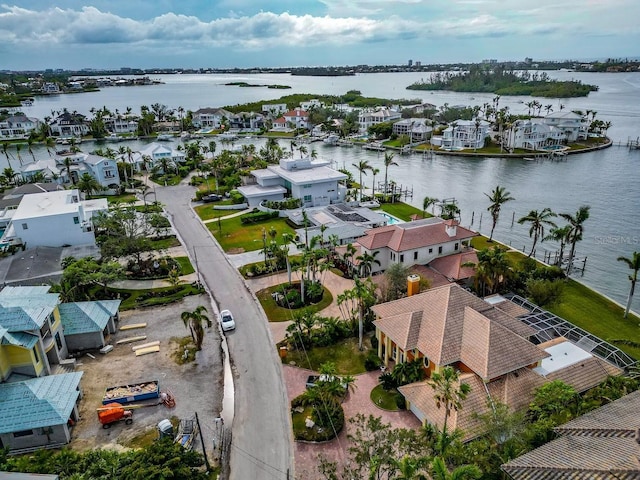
x=413, y=235
x=585, y=374
x=296, y=113
x=511, y=308
x=436, y=279
x=402, y=329
x=491, y=350
x=451, y=265
x=503, y=318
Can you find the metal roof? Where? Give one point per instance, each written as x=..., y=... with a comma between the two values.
x=17, y=319
x=18, y=339
x=87, y=317
x=549, y=326
x=38, y=402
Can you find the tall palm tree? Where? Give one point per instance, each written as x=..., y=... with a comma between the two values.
x=362, y=167
x=388, y=161
x=538, y=220
x=449, y=391
x=5, y=145
x=88, y=185
x=194, y=320
x=577, y=229
x=634, y=265
x=560, y=235
x=367, y=261
x=499, y=196
x=374, y=172
x=426, y=203
x=411, y=468
x=440, y=471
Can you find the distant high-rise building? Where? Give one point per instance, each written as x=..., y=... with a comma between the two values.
x=418, y=64
x=410, y=62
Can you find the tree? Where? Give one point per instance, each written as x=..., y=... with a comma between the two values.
x=367, y=260
x=411, y=468
x=498, y=197
x=362, y=167
x=634, y=264
x=554, y=401
x=395, y=282
x=388, y=161
x=577, y=229
x=537, y=220
x=492, y=270
x=88, y=185
x=561, y=235
x=194, y=321
x=440, y=471
x=374, y=172
x=449, y=391
x=426, y=203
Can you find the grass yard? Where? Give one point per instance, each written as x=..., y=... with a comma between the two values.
x=207, y=212
x=165, y=295
x=384, y=399
x=276, y=313
x=589, y=310
x=125, y=198
x=345, y=354
x=237, y=238
x=185, y=265
x=164, y=243
x=401, y=210
x=167, y=180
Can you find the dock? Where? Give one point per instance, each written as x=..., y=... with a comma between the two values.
x=633, y=144
x=377, y=146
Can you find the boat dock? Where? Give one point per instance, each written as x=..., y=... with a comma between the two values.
x=633, y=144
x=377, y=146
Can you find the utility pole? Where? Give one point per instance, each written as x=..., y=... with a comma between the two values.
x=204, y=450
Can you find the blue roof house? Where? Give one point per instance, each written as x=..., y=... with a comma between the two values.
x=87, y=325
x=39, y=412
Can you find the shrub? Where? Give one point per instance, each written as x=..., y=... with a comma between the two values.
x=372, y=362
x=236, y=197
x=374, y=343
x=401, y=402
x=388, y=381
x=327, y=419
x=257, y=216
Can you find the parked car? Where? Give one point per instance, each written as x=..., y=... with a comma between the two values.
x=211, y=198
x=226, y=320
x=313, y=380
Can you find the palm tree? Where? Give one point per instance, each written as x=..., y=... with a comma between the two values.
x=440, y=471
x=374, y=172
x=88, y=185
x=426, y=203
x=194, y=320
x=410, y=468
x=5, y=145
x=68, y=161
x=561, y=235
x=491, y=271
x=367, y=260
x=634, y=265
x=388, y=161
x=577, y=229
x=498, y=197
x=538, y=220
x=362, y=167
x=449, y=391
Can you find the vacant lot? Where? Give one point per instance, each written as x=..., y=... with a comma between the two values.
x=196, y=386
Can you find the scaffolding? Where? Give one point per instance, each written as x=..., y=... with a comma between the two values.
x=549, y=326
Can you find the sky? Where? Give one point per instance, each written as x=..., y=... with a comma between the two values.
x=75, y=34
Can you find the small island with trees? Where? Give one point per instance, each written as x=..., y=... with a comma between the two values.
x=245, y=84
x=504, y=82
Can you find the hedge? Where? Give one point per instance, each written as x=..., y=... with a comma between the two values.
x=257, y=216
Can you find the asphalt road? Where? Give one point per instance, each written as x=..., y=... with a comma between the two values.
x=262, y=439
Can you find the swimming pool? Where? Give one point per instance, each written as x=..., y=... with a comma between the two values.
x=391, y=220
x=554, y=148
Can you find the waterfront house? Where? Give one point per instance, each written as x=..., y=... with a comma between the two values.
x=16, y=127
x=153, y=155
x=68, y=125
x=601, y=444
x=247, y=121
x=533, y=135
x=50, y=88
x=280, y=124
x=120, y=125
x=574, y=126
x=103, y=170
x=414, y=243
x=274, y=109
x=210, y=117
x=415, y=128
x=297, y=118
x=54, y=219
x=311, y=181
x=313, y=103
x=464, y=134
x=486, y=343
x=46, y=168
x=369, y=117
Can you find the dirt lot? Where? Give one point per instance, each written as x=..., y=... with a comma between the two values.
x=197, y=386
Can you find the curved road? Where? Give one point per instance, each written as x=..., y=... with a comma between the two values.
x=262, y=437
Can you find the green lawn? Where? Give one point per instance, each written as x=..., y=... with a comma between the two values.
x=167, y=180
x=276, y=313
x=237, y=238
x=165, y=243
x=125, y=198
x=593, y=312
x=278, y=134
x=400, y=210
x=346, y=356
x=384, y=399
x=185, y=265
x=206, y=211
x=130, y=297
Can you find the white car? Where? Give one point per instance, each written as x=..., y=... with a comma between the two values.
x=226, y=320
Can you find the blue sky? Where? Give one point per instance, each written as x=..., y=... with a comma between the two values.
x=37, y=34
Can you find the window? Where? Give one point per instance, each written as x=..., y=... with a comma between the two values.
x=36, y=354
x=402, y=258
x=76, y=220
x=307, y=198
x=390, y=255
x=431, y=250
x=58, y=340
x=425, y=362
x=22, y=433
x=456, y=246
x=308, y=185
x=25, y=226
x=440, y=249
x=415, y=255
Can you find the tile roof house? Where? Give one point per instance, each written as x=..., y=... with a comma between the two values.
x=603, y=444
x=448, y=326
x=297, y=118
x=413, y=243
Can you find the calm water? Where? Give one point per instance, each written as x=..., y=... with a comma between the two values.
x=607, y=180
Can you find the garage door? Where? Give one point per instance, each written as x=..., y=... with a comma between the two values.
x=417, y=412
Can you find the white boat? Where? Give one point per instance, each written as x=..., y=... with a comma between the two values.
x=112, y=137
x=164, y=137
x=227, y=136
x=331, y=139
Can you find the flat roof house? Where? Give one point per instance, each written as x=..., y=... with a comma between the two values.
x=54, y=219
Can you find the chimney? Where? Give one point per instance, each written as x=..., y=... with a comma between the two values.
x=450, y=227
x=413, y=285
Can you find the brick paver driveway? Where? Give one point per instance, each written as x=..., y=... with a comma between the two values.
x=357, y=401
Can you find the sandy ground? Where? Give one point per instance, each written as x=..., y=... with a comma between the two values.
x=197, y=386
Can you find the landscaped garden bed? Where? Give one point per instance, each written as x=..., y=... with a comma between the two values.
x=385, y=399
x=276, y=313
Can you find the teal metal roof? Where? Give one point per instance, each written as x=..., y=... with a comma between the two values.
x=19, y=339
x=23, y=291
x=87, y=317
x=38, y=402
x=21, y=318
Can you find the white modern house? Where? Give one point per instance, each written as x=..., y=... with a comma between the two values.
x=120, y=124
x=153, y=155
x=463, y=134
x=574, y=126
x=368, y=118
x=18, y=127
x=104, y=170
x=210, y=117
x=274, y=109
x=414, y=243
x=54, y=219
x=312, y=181
x=69, y=125
x=247, y=121
x=533, y=135
x=313, y=103
x=415, y=128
